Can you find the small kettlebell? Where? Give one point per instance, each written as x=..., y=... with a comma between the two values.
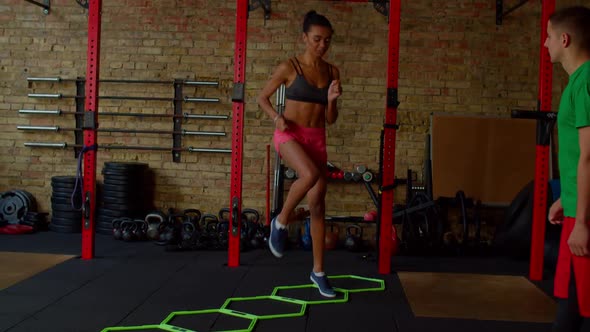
x=354, y=235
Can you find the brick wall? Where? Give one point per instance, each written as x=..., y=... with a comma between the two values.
x=453, y=59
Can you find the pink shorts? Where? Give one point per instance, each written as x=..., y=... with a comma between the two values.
x=581, y=267
x=312, y=140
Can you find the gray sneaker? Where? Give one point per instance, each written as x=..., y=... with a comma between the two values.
x=323, y=285
x=278, y=238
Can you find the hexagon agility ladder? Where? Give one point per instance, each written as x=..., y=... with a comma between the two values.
x=251, y=319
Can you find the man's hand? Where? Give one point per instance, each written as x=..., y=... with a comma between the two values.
x=556, y=213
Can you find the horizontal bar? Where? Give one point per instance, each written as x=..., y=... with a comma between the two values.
x=45, y=95
x=46, y=145
x=56, y=112
x=135, y=98
x=130, y=131
x=43, y=79
x=207, y=100
x=536, y=115
x=185, y=115
x=204, y=116
x=203, y=133
x=125, y=147
x=47, y=128
x=110, y=80
x=191, y=149
x=44, y=6
x=205, y=83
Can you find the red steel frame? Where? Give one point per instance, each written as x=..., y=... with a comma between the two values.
x=388, y=176
x=237, y=134
x=91, y=105
x=542, y=154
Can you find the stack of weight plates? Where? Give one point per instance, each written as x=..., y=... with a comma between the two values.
x=15, y=205
x=125, y=193
x=66, y=218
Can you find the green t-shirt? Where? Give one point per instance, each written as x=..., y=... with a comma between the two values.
x=574, y=113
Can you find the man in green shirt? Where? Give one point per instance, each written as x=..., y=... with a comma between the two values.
x=568, y=43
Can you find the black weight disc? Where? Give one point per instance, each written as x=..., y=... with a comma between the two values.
x=120, y=194
x=13, y=207
x=65, y=229
x=63, y=179
x=104, y=231
x=116, y=182
x=67, y=207
x=64, y=185
x=66, y=200
x=66, y=221
x=124, y=165
x=28, y=197
x=117, y=188
x=67, y=214
x=66, y=191
x=113, y=213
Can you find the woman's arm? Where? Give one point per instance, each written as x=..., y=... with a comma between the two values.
x=334, y=92
x=278, y=77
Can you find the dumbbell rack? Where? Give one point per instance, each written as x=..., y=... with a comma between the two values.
x=177, y=131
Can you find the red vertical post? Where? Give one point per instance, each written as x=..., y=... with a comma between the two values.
x=390, y=127
x=542, y=154
x=90, y=126
x=237, y=133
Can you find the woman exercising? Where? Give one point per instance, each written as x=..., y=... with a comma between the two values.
x=312, y=88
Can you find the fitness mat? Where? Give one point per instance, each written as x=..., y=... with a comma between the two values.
x=18, y=266
x=476, y=296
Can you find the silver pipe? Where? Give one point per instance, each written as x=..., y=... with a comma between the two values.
x=45, y=95
x=48, y=128
x=191, y=149
x=56, y=112
x=280, y=106
x=203, y=133
x=44, y=79
x=208, y=100
x=201, y=83
x=46, y=145
x=203, y=116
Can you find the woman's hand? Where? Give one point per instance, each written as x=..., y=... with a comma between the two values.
x=335, y=90
x=281, y=123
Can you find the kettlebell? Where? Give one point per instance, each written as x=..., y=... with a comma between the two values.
x=129, y=228
x=117, y=232
x=187, y=235
x=192, y=215
x=354, y=234
x=331, y=238
x=153, y=220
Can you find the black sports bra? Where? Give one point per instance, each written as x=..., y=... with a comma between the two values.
x=301, y=90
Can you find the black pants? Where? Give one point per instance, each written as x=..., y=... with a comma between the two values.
x=568, y=317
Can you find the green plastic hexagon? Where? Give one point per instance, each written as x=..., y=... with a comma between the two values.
x=299, y=313
x=253, y=319
x=163, y=327
x=326, y=301
x=380, y=283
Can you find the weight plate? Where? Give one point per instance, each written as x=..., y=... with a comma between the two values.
x=28, y=197
x=67, y=207
x=63, y=179
x=113, y=213
x=118, y=194
x=66, y=186
x=124, y=165
x=13, y=207
x=65, y=229
x=67, y=214
x=66, y=200
x=116, y=188
x=115, y=182
x=65, y=221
